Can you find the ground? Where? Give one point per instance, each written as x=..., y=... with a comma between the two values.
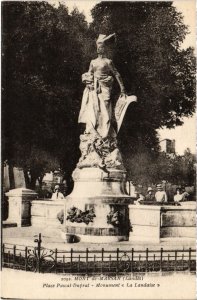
x=153, y=285
x=51, y=238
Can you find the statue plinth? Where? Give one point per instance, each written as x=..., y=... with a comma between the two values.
x=97, y=209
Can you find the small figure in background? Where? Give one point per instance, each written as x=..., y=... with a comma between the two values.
x=150, y=195
x=140, y=198
x=48, y=195
x=178, y=196
x=161, y=195
x=57, y=195
x=185, y=195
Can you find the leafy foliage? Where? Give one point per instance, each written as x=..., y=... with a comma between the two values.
x=151, y=169
x=44, y=52
x=42, y=67
x=183, y=169
x=115, y=218
x=153, y=67
x=149, y=57
x=74, y=214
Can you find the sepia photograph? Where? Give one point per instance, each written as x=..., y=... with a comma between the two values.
x=98, y=138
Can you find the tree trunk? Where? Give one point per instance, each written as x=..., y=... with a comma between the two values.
x=11, y=176
x=69, y=182
x=40, y=178
x=33, y=182
x=27, y=181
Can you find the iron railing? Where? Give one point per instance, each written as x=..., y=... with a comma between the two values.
x=40, y=259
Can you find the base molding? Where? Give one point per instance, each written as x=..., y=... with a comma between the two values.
x=92, y=231
x=144, y=239
x=104, y=239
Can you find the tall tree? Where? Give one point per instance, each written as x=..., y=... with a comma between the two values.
x=44, y=52
x=149, y=57
x=184, y=169
x=42, y=65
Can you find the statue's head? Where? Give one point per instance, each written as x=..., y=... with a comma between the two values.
x=101, y=42
x=100, y=48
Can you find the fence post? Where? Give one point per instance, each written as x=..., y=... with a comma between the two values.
x=63, y=258
x=55, y=260
x=102, y=257
x=79, y=263
x=146, y=259
x=87, y=251
x=189, y=263
x=39, y=248
x=94, y=270
x=132, y=256
x=14, y=255
x=183, y=262
x=9, y=258
x=3, y=250
x=139, y=268
x=168, y=262
x=175, y=263
x=38, y=262
x=110, y=262
x=71, y=259
x=161, y=258
x=25, y=258
x=154, y=262
x=117, y=260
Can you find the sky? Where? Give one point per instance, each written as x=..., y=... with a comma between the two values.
x=184, y=135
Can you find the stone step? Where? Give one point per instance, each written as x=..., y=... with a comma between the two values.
x=7, y=224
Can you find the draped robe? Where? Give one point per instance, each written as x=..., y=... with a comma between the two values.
x=96, y=108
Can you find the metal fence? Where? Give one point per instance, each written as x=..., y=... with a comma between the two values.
x=40, y=259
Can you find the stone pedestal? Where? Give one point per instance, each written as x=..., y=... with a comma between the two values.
x=97, y=209
x=151, y=223
x=145, y=223
x=20, y=206
x=179, y=222
x=44, y=212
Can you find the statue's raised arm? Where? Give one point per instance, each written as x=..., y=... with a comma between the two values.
x=117, y=76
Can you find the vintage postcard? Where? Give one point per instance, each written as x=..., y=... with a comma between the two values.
x=98, y=149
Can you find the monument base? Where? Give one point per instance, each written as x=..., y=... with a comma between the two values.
x=97, y=209
x=105, y=239
x=44, y=212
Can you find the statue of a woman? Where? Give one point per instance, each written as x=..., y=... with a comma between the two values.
x=96, y=111
x=98, y=144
